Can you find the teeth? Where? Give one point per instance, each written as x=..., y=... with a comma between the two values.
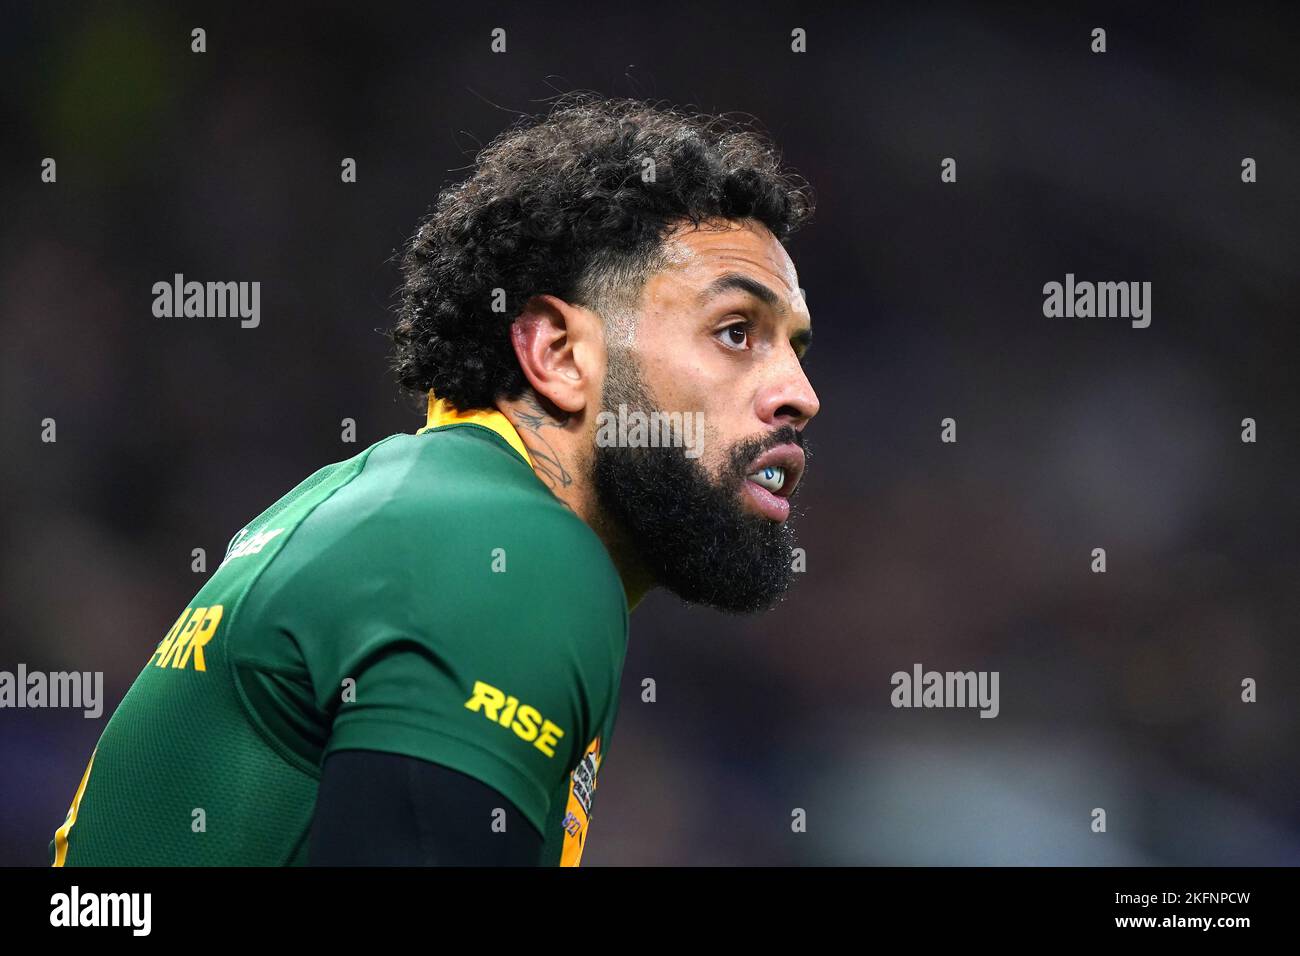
x=770, y=478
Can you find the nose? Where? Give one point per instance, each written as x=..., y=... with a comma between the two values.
x=789, y=398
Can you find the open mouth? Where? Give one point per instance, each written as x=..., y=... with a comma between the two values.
x=773, y=477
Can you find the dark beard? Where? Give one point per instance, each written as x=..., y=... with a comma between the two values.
x=687, y=530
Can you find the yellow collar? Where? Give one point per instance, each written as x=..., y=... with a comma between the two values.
x=441, y=413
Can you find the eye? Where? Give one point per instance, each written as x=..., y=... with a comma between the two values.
x=735, y=336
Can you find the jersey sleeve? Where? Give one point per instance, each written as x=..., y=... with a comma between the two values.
x=477, y=706
x=496, y=654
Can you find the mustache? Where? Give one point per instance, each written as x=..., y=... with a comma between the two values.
x=746, y=451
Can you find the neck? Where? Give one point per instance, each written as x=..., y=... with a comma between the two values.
x=554, y=440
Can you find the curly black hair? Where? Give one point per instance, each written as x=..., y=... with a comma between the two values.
x=575, y=204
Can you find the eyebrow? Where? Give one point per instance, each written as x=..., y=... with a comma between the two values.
x=735, y=280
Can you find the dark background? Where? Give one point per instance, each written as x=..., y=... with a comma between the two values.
x=1118, y=690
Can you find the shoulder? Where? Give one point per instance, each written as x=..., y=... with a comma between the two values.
x=455, y=512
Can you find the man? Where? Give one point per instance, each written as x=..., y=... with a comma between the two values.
x=414, y=656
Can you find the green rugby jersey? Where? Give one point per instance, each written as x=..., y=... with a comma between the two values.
x=429, y=597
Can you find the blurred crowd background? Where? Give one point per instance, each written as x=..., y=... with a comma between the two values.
x=1118, y=690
